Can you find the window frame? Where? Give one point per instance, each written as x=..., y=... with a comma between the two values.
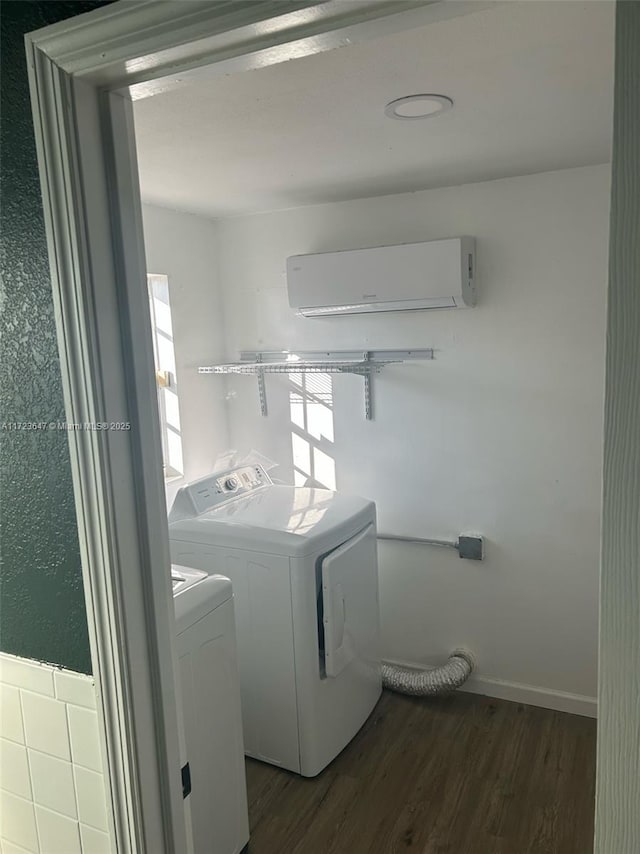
x=163, y=383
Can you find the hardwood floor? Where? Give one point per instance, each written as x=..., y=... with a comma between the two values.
x=462, y=774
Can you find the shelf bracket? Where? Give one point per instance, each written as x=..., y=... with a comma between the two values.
x=262, y=389
x=368, y=407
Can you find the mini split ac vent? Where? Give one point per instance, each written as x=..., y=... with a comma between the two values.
x=405, y=277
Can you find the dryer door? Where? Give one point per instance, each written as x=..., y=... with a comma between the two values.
x=349, y=598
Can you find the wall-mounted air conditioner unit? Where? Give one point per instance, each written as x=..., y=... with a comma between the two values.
x=410, y=276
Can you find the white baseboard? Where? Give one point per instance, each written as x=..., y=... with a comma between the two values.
x=516, y=692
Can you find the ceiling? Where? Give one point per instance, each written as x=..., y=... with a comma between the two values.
x=532, y=84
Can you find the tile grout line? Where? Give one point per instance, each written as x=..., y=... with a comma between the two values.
x=73, y=776
x=26, y=749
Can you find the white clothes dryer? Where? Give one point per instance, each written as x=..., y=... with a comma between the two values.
x=303, y=564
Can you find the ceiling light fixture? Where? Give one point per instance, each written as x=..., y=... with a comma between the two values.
x=414, y=107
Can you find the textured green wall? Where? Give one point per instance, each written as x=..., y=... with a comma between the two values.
x=42, y=611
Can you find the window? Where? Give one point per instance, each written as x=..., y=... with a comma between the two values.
x=165, y=363
x=311, y=409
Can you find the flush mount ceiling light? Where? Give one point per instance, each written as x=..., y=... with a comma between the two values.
x=414, y=107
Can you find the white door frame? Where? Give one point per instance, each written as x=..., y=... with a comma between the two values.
x=83, y=74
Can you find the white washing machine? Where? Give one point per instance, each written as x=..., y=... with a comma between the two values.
x=208, y=671
x=303, y=564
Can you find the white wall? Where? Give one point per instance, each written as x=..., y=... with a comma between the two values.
x=502, y=434
x=182, y=246
x=52, y=788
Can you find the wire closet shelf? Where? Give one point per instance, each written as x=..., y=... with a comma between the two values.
x=364, y=363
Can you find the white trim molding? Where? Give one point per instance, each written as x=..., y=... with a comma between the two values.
x=517, y=692
x=148, y=47
x=124, y=555
x=617, y=826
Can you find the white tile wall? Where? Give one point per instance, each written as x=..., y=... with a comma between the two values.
x=18, y=822
x=85, y=745
x=11, y=713
x=28, y=674
x=93, y=841
x=79, y=692
x=91, y=798
x=14, y=769
x=52, y=792
x=45, y=724
x=53, y=783
x=10, y=848
x=57, y=834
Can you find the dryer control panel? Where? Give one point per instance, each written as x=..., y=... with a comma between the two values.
x=208, y=492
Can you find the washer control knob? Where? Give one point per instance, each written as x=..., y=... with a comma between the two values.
x=230, y=484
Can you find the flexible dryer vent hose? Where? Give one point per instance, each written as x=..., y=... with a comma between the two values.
x=428, y=683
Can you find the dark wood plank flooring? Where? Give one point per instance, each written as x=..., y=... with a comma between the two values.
x=462, y=774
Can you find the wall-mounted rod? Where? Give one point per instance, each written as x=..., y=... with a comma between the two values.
x=451, y=544
x=469, y=546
